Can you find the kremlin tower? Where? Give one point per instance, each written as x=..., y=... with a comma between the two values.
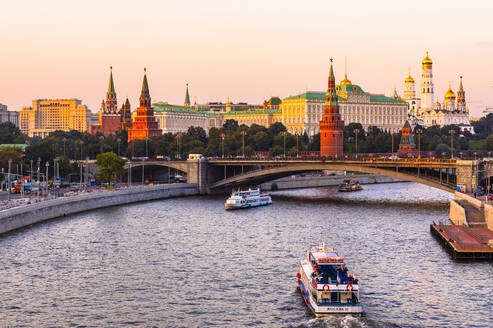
x=187, y=98
x=461, y=98
x=126, y=116
x=144, y=124
x=427, y=84
x=331, y=125
x=109, y=117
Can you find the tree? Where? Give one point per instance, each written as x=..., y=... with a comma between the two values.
x=276, y=128
x=10, y=134
x=14, y=153
x=489, y=142
x=110, y=166
x=231, y=125
x=197, y=133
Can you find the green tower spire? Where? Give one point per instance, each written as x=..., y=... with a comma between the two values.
x=145, y=97
x=111, y=86
x=187, y=97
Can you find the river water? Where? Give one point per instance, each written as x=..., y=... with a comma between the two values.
x=188, y=263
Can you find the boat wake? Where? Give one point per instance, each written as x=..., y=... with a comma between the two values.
x=346, y=322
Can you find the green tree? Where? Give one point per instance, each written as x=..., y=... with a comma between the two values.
x=10, y=134
x=110, y=166
x=14, y=153
x=231, y=125
x=489, y=142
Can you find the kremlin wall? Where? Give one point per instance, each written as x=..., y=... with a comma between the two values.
x=311, y=112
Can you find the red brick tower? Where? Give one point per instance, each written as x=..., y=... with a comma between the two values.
x=331, y=125
x=144, y=124
x=407, y=147
x=109, y=118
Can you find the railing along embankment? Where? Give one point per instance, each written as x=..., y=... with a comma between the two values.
x=22, y=216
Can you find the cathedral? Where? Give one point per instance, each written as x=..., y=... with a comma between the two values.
x=424, y=111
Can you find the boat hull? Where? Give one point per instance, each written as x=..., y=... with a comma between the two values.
x=329, y=310
x=243, y=206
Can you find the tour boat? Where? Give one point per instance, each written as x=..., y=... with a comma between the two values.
x=348, y=186
x=247, y=198
x=326, y=285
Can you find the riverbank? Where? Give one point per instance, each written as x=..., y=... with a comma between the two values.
x=313, y=181
x=23, y=216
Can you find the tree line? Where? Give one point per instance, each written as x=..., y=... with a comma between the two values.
x=232, y=139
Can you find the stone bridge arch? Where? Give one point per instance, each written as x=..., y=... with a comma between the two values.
x=271, y=173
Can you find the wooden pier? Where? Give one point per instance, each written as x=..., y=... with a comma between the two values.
x=465, y=242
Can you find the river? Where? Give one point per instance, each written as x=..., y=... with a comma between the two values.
x=186, y=262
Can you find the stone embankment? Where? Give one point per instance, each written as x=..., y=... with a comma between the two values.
x=23, y=216
x=313, y=181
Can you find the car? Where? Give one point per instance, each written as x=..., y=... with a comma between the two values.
x=489, y=197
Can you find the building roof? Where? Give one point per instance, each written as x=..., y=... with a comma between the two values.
x=316, y=95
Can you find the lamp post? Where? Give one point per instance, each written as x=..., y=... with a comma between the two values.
x=143, y=164
x=284, y=134
x=101, y=144
x=392, y=137
x=222, y=140
x=297, y=146
x=147, y=149
x=64, y=141
x=178, y=141
x=47, y=164
x=243, y=143
x=118, y=141
x=129, y=173
x=8, y=188
x=39, y=168
x=419, y=143
x=452, y=143
x=356, y=131
x=31, y=175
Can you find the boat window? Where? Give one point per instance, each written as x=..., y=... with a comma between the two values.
x=334, y=297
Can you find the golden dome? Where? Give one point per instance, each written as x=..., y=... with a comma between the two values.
x=449, y=95
x=346, y=81
x=427, y=60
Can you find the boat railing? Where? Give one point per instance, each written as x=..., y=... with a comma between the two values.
x=349, y=303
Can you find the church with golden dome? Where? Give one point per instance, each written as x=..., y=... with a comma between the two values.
x=425, y=111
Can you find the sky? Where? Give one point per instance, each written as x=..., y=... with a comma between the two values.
x=248, y=50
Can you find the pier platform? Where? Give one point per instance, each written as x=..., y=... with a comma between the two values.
x=465, y=242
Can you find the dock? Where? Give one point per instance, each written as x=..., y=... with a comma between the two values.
x=464, y=242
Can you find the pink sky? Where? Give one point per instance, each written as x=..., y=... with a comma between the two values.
x=248, y=50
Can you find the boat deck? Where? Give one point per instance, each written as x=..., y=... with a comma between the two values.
x=464, y=242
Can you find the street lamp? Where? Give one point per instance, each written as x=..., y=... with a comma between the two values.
x=419, y=142
x=10, y=164
x=47, y=164
x=178, y=144
x=147, y=149
x=356, y=131
x=101, y=144
x=243, y=143
x=118, y=141
x=451, y=131
x=284, y=134
x=64, y=141
x=297, y=147
x=39, y=169
x=222, y=139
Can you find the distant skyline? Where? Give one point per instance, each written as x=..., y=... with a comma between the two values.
x=247, y=50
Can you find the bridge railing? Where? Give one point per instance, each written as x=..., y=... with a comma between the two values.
x=345, y=158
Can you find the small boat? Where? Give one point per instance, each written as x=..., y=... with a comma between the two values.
x=326, y=285
x=349, y=185
x=247, y=198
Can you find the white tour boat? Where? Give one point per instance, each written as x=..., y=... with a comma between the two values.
x=326, y=285
x=247, y=198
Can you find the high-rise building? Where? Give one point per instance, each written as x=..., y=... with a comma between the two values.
x=8, y=116
x=331, y=125
x=144, y=123
x=109, y=117
x=49, y=115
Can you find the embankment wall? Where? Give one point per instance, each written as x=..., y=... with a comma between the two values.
x=23, y=216
x=323, y=181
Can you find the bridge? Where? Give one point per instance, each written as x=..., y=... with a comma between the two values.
x=217, y=175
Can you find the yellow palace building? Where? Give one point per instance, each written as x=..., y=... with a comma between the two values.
x=302, y=113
